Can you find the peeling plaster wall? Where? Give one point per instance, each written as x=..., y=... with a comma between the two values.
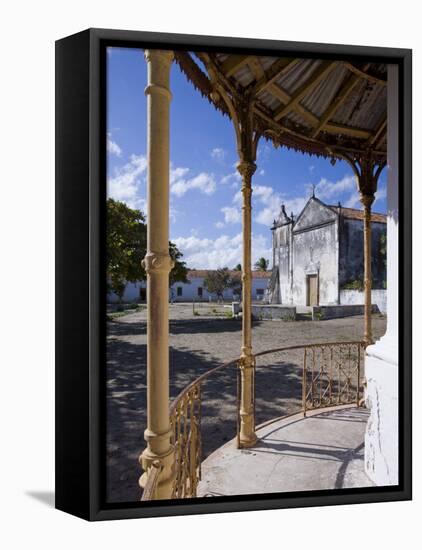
x=282, y=254
x=378, y=297
x=381, y=449
x=382, y=360
x=315, y=251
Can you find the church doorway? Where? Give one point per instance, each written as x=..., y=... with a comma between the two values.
x=311, y=290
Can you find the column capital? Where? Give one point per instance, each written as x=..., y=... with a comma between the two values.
x=164, y=56
x=367, y=199
x=246, y=168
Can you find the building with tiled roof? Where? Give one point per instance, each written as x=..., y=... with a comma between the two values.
x=318, y=257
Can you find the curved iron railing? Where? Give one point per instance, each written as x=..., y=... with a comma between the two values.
x=185, y=419
x=151, y=484
x=330, y=376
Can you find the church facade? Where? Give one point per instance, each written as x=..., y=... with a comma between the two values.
x=318, y=257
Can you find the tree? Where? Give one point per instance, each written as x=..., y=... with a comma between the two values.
x=238, y=268
x=179, y=272
x=217, y=281
x=236, y=282
x=261, y=264
x=126, y=238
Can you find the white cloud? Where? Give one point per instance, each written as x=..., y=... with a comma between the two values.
x=219, y=225
x=112, y=147
x=232, y=179
x=380, y=194
x=263, y=193
x=353, y=201
x=125, y=185
x=263, y=152
x=177, y=173
x=179, y=184
x=327, y=190
x=224, y=251
x=231, y=214
x=218, y=154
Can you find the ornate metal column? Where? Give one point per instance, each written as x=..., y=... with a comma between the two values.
x=367, y=170
x=247, y=436
x=241, y=113
x=367, y=201
x=158, y=264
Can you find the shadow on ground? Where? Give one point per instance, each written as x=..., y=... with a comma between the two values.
x=196, y=346
x=277, y=391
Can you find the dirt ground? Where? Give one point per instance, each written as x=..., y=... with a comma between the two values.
x=199, y=342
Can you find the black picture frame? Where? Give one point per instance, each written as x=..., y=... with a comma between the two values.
x=80, y=331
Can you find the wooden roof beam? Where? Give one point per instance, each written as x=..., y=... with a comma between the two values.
x=256, y=68
x=277, y=69
x=363, y=74
x=339, y=100
x=233, y=63
x=347, y=131
x=373, y=139
x=278, y=92
x=321, y=72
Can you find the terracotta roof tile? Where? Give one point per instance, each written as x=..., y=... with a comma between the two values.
x=192, y=273
x=356, y=214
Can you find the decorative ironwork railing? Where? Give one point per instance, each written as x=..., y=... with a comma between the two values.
x=151, y=484
x=319, y=376
x=185, y=418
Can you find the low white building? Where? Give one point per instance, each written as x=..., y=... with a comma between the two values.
x=194, y=290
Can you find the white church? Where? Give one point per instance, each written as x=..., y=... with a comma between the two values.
x=318, y=257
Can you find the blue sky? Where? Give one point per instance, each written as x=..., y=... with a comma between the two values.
x=205, y=200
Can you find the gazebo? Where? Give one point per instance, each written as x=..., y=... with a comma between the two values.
x=338, y=109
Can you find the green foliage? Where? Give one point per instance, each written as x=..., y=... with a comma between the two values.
x=262, y=264
x=126, y=239
x=291, y=316
x=238, y=268
x=356, y=284
x=319, y=315
x=235, y=283
x=216, y=282
x=179, y=272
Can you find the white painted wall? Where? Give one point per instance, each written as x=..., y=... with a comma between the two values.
x=379, y=297
x=381, y=363
x=190, y=291
x=313, y=252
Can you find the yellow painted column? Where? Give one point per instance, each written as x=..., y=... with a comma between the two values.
x=247, y=436
x=157, y=264
x=367, y=201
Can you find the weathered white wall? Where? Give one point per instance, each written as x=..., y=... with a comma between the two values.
x=282, y=254
x=379, y=297
x=381, y=364
x=131, y=294
x=316, y=251
x=189, y=291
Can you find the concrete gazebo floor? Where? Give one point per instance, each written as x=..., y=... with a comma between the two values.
x=325, y=450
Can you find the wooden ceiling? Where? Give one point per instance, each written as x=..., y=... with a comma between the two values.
x=323, y=107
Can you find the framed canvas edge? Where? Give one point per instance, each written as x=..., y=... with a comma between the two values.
x=95, y=169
